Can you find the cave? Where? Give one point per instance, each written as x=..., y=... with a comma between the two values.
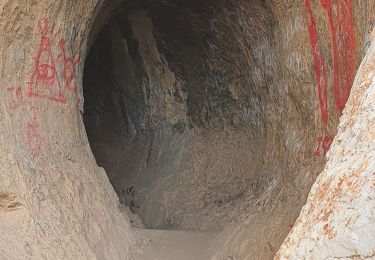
x=168, y=100
x=161, y=103
x=201, y=129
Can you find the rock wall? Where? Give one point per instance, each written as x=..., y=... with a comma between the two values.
x=337, y=221
x=240, y=105
x=55, y=202
x=219, y=113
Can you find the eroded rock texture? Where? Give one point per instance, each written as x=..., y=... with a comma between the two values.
x=206, y=115
x=337, y=221
x=227, y=110
x=55, y=202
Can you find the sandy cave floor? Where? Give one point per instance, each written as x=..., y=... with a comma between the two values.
x=168, y=244
x=172, y=244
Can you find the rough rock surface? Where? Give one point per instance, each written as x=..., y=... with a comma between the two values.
x=55, y=202
x=227, y=111
x=206, y=114
x=338, y=220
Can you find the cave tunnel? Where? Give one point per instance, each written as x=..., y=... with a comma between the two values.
x=158, y=81
x=188, y=110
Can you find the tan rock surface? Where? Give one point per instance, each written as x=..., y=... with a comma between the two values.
x=55, y=202
x=206, y=115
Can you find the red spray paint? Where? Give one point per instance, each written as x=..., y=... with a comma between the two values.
x=341, y=23
x=70, y=64
x=47, y=81
x=44, y=81
x=18, y=99
x=319, y=66
x=323, y=144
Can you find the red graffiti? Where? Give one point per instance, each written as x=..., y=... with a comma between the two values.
x=34, y=140
x=341, y=23
x=323, y=144
x=44, y=81
x=70, y=78
x=18, y=99
x=47, y=81
x=53, y=75
x=319, y=66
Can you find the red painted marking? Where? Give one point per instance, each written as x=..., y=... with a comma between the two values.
x=44, y=81
x=317, y=152
x=341, y=23
x=44, y=29
x=18, y=99
x=69, y=72
x=327, y=141
x=319, y=66
x=323, y=144
x=47, y=81
x=34, y=140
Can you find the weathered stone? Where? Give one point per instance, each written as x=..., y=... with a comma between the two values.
x=338, y=219
x=206, y=115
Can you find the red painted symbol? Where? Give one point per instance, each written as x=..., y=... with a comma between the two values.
x=53, y=75
x=322, y=145
x=319, y=67
x=341, y=23
x=18, y=99
x=44, y=81
x=34, y=140
x=69, y=71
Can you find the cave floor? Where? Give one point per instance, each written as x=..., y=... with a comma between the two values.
x=173, y=244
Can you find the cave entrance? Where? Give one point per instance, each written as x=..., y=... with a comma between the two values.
x=145, y=89
x=184, y=110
